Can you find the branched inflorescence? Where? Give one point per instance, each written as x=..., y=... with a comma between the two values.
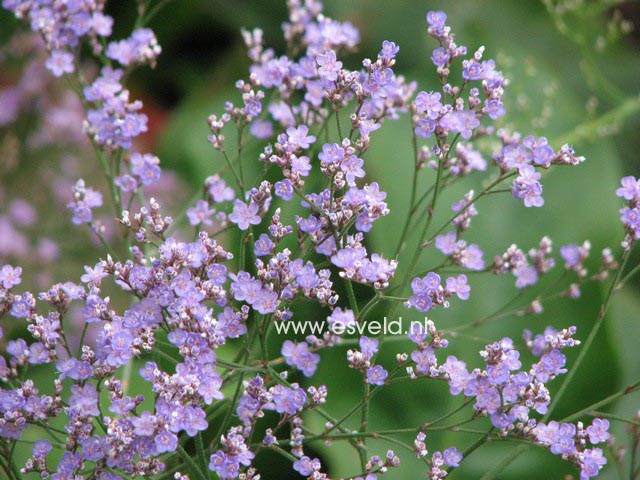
x=166, y=301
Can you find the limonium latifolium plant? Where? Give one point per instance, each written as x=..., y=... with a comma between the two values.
x=176, y=305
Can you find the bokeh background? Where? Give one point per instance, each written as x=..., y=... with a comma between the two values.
x=573, y=79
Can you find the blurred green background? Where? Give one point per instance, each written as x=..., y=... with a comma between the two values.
x=562, y=86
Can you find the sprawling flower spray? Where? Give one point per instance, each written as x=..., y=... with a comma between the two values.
x=179, y=297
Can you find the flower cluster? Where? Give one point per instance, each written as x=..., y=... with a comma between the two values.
x=630, y=215
x=428, y=291
x=64, y=27
x=192, y=318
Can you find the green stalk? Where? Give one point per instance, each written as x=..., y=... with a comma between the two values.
x=193, y=466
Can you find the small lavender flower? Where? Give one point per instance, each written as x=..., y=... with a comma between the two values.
x=85, y=199
x=376, y=375
x=141, y=47
x=452, y=457
x=288, y=400
x=299, y=137
x=201, y=214
x=244, y=215
x=459, y=286
x=630, y=189
x=305, y=466
x=598, y=431
x=329, y=66
x=298, y=355
x=60, y=62
x=41, y=448
x=527, y=187
x=10, y=276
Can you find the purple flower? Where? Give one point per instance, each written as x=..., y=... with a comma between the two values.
x=543, y=154
x=527, y=187
x=352, y=167
x=218, y=189
x=299, y=356
x=630, y=189
x=93, y=275
x=417, y=333
x=83, y=401
x=429, y=103
x=194, y=420
x=436, y=20
x=440, y=57
x=592, y=461
x=93, y=448
x=344, y=318
x=165, y=441
x=311, y=224
x=550, y=365
x=60, y=62
x=573, y=255
x=452, y=457
x=447, y=243
x=494, y=109
x=471, y=257
x=126, y=183
x=526, y=275
x=283, y=189
x=425, y=359
x=368, y=346
x=266, y=302
x=201, y=213
x=472, y=70
x=289, y=400
x=329, y=66
x=347, y=257
x=457, y=374
x=299, y=138
x=422, y=303
x=41, y=448
x=101, y=24
x=145, y=424
x=226, y=466
x=307, y=278
x=306, y=466
x=462, y=122
x=515, y=156
x=141, y=47
x=145, y=167
x=331, y=153
x=261, y=129
x=376, y=375
x=425, y=127
x=598, y=431
x=458, y=285
x=427, y=284
x=10, y=276
x=85, y=198
x=300, y=165
x=263, y=246
x=244, y=215
x=389, y=50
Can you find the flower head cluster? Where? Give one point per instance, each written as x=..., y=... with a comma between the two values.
x=115, y=121
x=460, y=253
x=428, y=291
x=63, y=27
x=179, y=302
x=84, y=200
x=363, y=360
x=524, y=156
x=142, y=47
x=630, y=215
